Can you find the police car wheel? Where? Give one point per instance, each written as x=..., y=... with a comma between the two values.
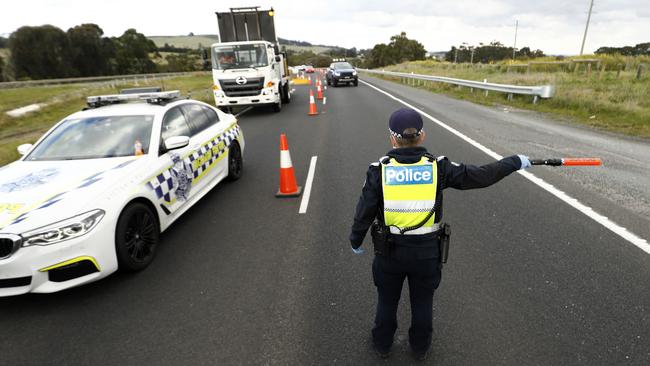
x=235, y=162
x=136, y=237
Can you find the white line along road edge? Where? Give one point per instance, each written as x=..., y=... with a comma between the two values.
x=604, y=221
x=310, y=180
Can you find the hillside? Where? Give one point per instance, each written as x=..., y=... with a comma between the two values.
x=204, y=40
x=192, y=42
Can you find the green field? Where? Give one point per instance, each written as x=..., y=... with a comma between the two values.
x=598, y=98
x=64, y=100
x=192, y=42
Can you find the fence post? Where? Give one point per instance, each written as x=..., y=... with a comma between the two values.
x=535, y=98
x=618, y=71
x=485, y=82
x=589, y=69
x=639, y=71
x=602, y=71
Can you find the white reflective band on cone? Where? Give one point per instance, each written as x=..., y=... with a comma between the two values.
x=419, y=231
x=311, y=99
x=285, y=159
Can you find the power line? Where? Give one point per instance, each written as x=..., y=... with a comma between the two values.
x=584, y=37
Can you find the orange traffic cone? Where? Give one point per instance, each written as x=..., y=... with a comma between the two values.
x=288, y=186
x=312, y=104
x=319, y=95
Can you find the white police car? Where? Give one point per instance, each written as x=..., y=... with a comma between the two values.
x=94, y=193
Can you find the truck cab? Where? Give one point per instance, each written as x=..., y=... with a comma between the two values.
x=248, y=68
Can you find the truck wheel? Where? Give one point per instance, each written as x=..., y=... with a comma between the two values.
x=329, y=82
x=285, y=94
x=277, y=107
x=335, y=83
x=356, y=83
x=136, y=237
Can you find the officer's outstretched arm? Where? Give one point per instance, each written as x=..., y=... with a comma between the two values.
x=462, y=176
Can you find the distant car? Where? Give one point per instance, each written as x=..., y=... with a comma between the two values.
x=309, y=69
x=301, y=67
x=95, y=192
x=341, y=72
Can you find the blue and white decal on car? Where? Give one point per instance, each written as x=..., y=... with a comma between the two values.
x=174, y=183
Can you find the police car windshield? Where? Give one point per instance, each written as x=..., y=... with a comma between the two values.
x=96, y=137
x=239, y=56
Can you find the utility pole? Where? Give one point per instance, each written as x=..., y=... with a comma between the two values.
x=514, y=47
x=584, y=38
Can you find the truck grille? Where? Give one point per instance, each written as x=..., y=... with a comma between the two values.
x=346, y=74
x=8, y=246
x=252, y=87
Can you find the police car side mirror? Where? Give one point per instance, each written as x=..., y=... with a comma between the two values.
x=277, y=58
x=176, y=142
x=24, y=149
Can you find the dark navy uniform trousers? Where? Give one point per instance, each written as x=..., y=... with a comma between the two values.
x=423, y=277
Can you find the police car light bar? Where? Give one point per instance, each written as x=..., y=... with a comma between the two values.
x=100, y=100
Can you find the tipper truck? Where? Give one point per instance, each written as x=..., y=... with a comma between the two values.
x=247, y=66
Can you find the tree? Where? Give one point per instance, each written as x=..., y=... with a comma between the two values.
x=132, y=53
x=89, y=51
x=638, y=50
x=2, y=68
x=4, y=42
x=40, y=52
x=494, y=51
x=399, y=49
x=182, y=62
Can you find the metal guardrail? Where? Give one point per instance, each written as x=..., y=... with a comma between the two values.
x=93, y=79
x=543, y=91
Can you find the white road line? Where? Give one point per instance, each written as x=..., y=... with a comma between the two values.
x=310, y=179
x=604, y=221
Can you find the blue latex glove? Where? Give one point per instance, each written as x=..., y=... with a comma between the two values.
x=358, y=251
x=525, y=163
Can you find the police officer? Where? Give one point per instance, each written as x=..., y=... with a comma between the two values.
x=403, y=193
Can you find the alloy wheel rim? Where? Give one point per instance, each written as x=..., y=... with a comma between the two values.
x=140, y=236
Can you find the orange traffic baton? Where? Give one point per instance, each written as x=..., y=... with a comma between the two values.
x=288, y=186
x=567, y=162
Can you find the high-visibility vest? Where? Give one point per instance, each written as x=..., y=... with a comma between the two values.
x=409, y=195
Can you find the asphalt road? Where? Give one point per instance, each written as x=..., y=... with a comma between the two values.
x=243, y=278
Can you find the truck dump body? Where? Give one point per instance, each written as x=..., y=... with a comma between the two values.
x=246, y=24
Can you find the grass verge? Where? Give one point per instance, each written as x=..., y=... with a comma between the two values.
x=603, y=99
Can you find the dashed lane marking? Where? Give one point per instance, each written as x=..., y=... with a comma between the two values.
x=588, y=211
x=310, y=180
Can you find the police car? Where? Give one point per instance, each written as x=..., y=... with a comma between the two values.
x=94, y=193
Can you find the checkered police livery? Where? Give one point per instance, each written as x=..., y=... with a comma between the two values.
x=165, y=185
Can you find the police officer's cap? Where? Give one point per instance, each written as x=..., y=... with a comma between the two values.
x=403, y=119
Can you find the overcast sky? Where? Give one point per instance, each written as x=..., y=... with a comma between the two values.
x=555, y=26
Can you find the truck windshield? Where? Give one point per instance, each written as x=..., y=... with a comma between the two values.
x=96, y=137
x=239, y=56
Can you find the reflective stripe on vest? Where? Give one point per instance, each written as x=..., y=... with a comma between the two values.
x=409, y=195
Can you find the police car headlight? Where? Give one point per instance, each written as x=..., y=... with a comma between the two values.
x=337, y=73
x=63, y=230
